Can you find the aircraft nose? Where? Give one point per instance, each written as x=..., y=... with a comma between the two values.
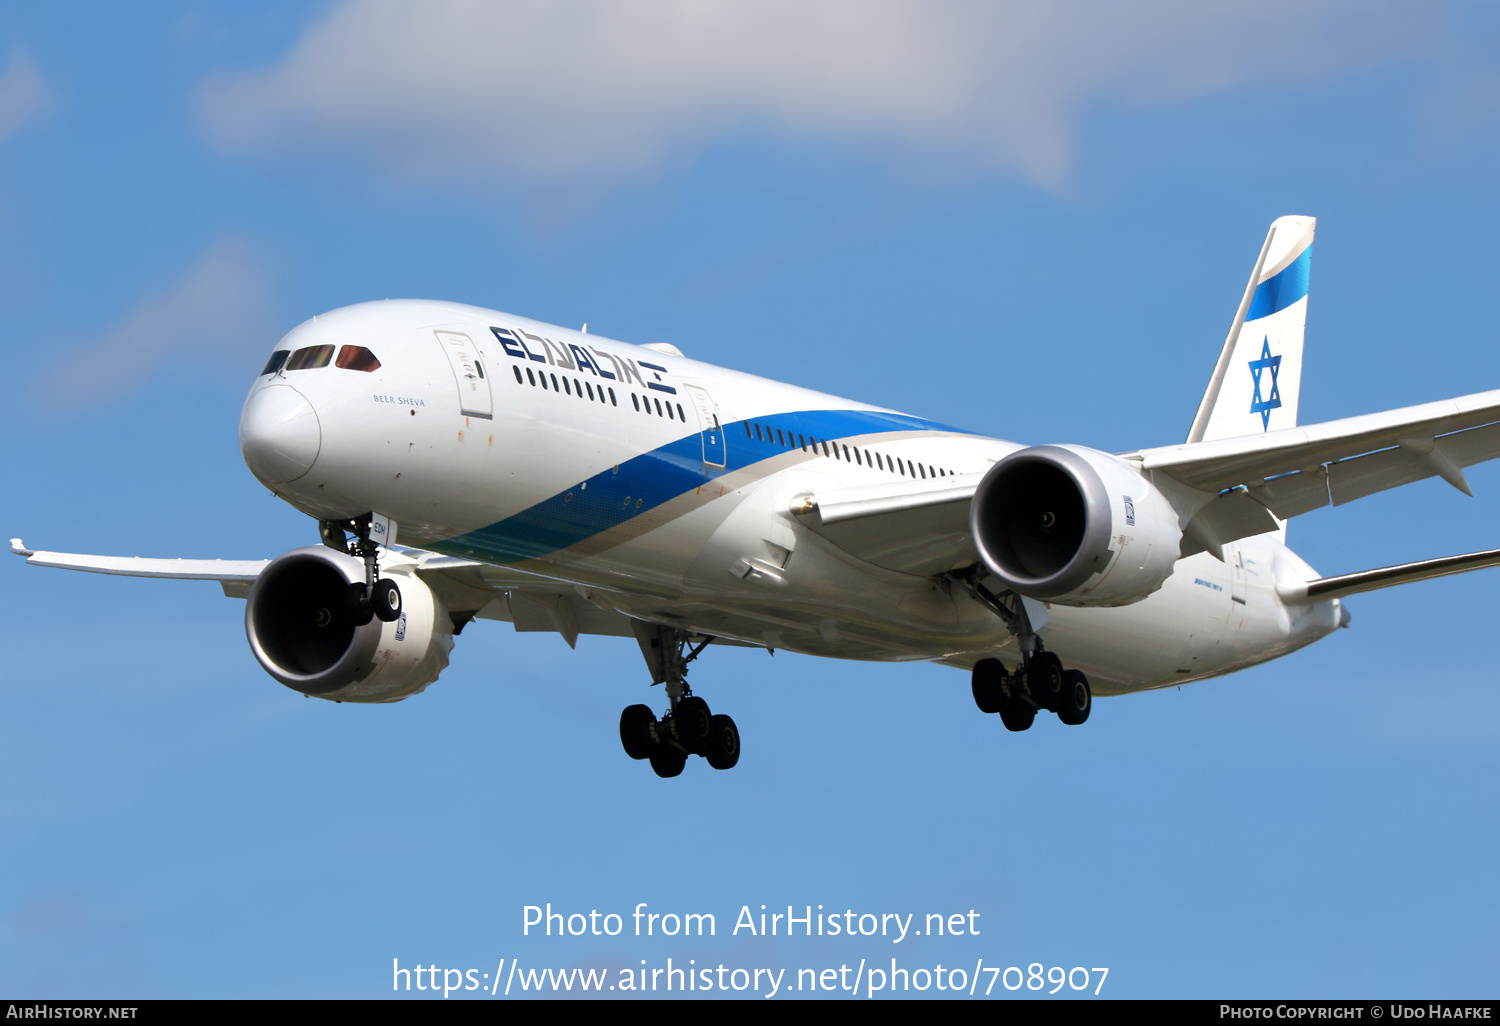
x=279, y=434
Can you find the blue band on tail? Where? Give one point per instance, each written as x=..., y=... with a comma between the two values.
x=1282, y=290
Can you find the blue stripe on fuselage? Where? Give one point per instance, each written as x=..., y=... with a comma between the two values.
x=644, y=482
x=1283, y=289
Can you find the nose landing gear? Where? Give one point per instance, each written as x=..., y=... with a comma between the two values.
x=689, y=727
x=377, y=598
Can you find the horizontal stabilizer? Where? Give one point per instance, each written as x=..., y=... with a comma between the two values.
x=1386, y=577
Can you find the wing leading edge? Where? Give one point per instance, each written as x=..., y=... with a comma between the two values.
x=234, y=575
x=527, y=602
x=1243, y=483
x=915, y=529
x=1297, y=470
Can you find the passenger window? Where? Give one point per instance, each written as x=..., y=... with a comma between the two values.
x=658, y=408
x=669, y=412
x=748, y=433
x=825, y=447
x=846, y=452
x=637, y=400
x=519, y=380
x=801, y=442
x=566, y=389
x=757, y=432
x=858, y=459
x=277, y=359
x=555, y=386
x=879, y=462
x=923, y=471
x=358, y=358
x=589, y=385
x=478, y=364
x=310, y=358
x=612, y=400
x=577, y=388
x=531, y=377
x=779, y=440
x=680, y=415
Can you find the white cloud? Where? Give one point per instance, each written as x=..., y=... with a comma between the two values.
x=23, y=94
x=218, y=311
x=546, y=87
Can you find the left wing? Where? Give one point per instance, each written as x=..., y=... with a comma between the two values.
x=1296, y=470
x=914, y=527
x=923, y=528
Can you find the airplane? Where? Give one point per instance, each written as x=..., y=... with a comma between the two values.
x=566, y=482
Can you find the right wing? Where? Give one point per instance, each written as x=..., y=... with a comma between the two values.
x=528, y=602
x=234, y=575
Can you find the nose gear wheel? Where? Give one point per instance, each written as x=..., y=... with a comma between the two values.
x=377, y=598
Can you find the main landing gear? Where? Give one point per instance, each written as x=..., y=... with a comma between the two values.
x=1040, y=682
x=688, y=727
x=377, y=598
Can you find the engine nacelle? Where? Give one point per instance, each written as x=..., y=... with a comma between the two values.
x=1076, y=526
x=301, y=633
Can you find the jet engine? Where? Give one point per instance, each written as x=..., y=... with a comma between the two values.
x=302, y=631
x=1066, y=524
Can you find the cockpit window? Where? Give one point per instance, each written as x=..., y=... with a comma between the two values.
x=277, y=359
x=357, y=358
x=310, y=358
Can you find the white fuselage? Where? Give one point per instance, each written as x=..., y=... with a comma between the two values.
x=680, y=514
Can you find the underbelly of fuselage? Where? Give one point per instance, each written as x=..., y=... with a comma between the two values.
x=738, y=571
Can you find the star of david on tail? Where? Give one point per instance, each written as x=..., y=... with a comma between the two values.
x=1257, y=368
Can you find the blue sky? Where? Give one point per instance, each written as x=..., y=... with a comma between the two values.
x=1030, y=220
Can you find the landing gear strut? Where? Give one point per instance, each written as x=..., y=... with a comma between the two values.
x=1040, y=682
x=688, y=727
x=377, y=598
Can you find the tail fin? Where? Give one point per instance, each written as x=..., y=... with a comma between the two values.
x=1259, y=374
